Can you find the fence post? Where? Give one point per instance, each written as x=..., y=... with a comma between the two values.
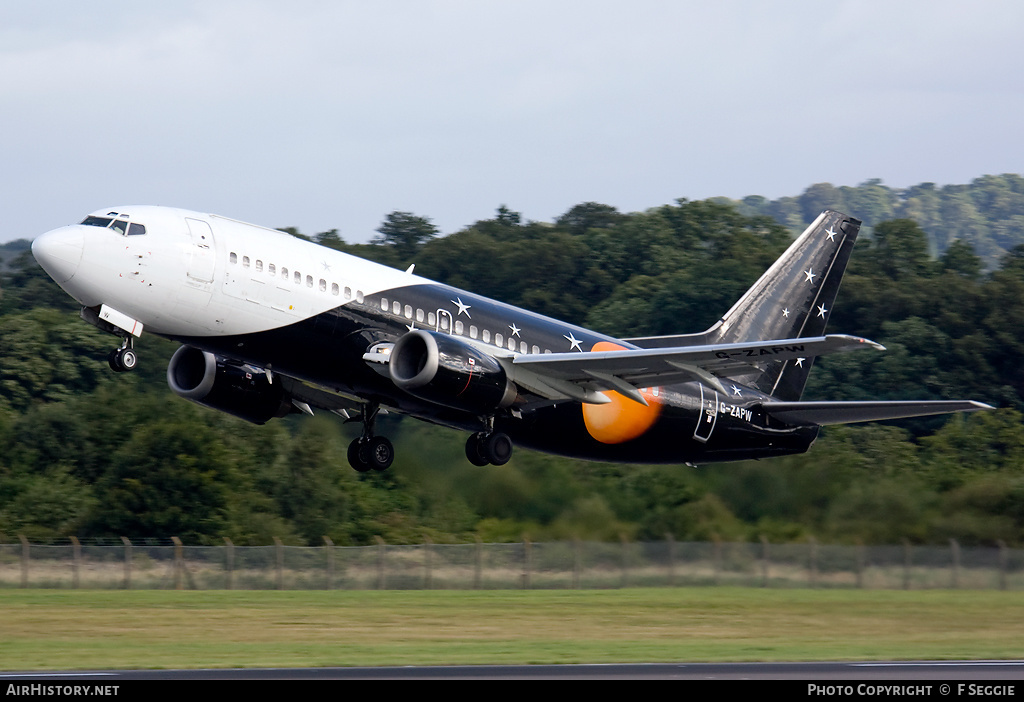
x=575, y=563
x=814, y=562
x=1003, y=561
x=625, y=560
x=527, y=562
x=178, y=562
x=479, y=564
x=671, y=559
x=906, y=564
x=717, y=555
x=76, y=558
x=127, y=562
x=229, y=562
x=764, y=560
x=24, y=559
x=860, y=564
x=380, y=562
x=428, y=564
x=329, y=548
x=279, y=557
x=955, y=575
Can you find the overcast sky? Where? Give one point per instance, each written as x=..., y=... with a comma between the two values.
x=325, y=115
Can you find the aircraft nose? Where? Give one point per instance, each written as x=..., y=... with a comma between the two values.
x=59, y=252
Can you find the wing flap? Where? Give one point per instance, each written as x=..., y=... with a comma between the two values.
x=840, y=412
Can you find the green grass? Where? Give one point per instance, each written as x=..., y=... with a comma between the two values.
x=58, y=629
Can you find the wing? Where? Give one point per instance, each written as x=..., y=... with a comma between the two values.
x=849, y=412
x=582, y=376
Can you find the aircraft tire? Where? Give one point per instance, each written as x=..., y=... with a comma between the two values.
x=379, y=453
x=114, y=361
x=497, y=448
x=128, y=359
x=474, y=450
x=357, y=456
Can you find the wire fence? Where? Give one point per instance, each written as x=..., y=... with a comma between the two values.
x=555, y=565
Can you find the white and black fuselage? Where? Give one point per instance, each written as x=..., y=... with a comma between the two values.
x=252, y=305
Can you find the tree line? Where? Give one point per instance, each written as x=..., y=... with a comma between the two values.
x=90, y=453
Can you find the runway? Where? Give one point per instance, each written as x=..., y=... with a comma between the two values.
x=842, y=671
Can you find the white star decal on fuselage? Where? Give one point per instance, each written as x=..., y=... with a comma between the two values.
x=574, y=343
x=515, y=329
x=463, y=307
x=800, y=362
x=810, y=275
x=822, y=311
x=831, y=233
x=785, y=313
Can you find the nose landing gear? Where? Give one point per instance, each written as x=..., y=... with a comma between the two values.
x=124, y=358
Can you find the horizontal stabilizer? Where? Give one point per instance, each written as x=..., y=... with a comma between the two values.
x=823, y=413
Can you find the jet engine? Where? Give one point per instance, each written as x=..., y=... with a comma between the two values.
x=242, y=391
x=448, y=371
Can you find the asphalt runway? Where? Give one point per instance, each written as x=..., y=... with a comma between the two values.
x=845, y=671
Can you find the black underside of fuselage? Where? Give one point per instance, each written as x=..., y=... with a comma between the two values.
x=327, y=350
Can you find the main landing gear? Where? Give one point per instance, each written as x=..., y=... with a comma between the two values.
x=489, y=447
x=124, y=358
x=370, y=452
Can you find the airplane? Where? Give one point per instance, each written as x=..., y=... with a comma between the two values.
x=272, y=324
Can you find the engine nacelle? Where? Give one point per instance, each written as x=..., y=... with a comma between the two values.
x=446, y=370
x=199, y=376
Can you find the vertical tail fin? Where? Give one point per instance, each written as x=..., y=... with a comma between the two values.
x=792, y=299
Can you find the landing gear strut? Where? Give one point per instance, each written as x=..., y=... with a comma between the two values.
x=123, y=358
x=370, y=452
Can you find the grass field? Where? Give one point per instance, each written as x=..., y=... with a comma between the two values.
x=62, y=629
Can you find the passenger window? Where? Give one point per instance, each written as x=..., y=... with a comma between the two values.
x=472, y=331
x=536, y=349
x=397, y=308
x=499, y=340
x=431, y=319
x=335, y=290
x=384, y=305
x=284, y=272
x=522, y=347
x=487, y=336
x=511, y=344
x=298, y=278
x=271, y=269
x=233, y=257
x=309, y=281
x=348, y=293
x=259, y=266
x=458, y=327
x=408, y=311
x=323, y=285
x=245, y=261
x=359, y=296
x=419, y=315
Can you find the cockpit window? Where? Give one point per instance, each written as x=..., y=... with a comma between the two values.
x=120, y=225
x=97, y=221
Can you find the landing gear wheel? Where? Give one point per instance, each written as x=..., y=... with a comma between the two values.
x=497, y=447
x=122, y=359
x=494, y=448
x=128, y=359
x=474, y=450
x=357, y=456
x=379, y=453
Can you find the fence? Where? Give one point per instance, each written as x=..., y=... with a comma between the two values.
x=557, y=565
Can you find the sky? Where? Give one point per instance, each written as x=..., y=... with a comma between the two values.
x=330, y=115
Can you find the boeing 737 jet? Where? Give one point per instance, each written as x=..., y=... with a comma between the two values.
x=271, y=324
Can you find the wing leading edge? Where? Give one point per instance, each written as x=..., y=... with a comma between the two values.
x=627, y=370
